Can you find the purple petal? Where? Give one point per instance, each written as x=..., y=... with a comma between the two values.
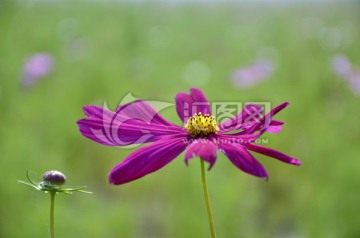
x=250, y=114
x=275, y=126
x=274, y=129
x=98, y=112
x=266, y=121
x=276, y=123
x=136, y=132
x=273, y=112
x=242, y=159
x=133, y=123
x=203, y=148
x=277, y=109
x=141, y=110
x=260, y=126
x=189, y=104
x=273, y=153
x=97, y=131
x=147, y=160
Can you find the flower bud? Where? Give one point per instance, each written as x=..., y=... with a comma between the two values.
x=54, y=177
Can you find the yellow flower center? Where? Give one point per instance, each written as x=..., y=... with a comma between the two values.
x=201, y=125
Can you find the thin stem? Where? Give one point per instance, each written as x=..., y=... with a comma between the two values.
x=52, y=206
x=207, y=200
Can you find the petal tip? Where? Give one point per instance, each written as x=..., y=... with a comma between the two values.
x=210, y=166
x=88, y=110
x=112, y=181
x=262, y=174
x=265, y=175
x=78, y=122
x=195, y=89
x=296, y=162
x=113, y=178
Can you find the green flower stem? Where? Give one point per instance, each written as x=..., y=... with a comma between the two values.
x=207, y=200
x=52, y=206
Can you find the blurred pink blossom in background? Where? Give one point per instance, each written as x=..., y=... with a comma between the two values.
x=253, y=74
x=341, y=65
x=354, y=82
x=36, y=66
x=347, y=72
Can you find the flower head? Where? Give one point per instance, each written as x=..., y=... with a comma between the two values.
x=202, y=136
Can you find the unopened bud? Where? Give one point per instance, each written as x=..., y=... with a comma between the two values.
x=54, y=177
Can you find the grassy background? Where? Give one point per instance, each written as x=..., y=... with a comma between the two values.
x=104, y=51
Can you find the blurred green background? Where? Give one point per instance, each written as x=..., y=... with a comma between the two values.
x=103, y=50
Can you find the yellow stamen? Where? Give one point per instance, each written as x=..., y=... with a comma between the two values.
x=201, y=125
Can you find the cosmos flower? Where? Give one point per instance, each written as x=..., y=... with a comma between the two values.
x=253, y=74
x=37, y=66
x=202, y=136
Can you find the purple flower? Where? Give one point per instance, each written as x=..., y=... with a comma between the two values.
x=37, y=66
x=253, y=74
x=202, y=136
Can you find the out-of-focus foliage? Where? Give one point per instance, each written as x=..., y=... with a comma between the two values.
x=102, y=51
